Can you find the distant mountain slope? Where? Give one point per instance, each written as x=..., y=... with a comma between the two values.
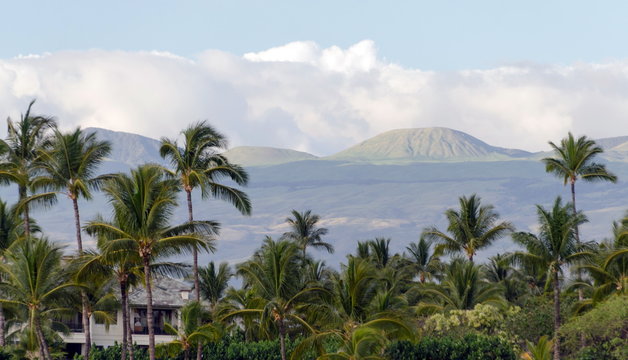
x=426, y=144
x=130, y=149
x=259, y=155
x=619, y=143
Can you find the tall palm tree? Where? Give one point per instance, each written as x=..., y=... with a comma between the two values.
x=197, y=164
x=462, y=288
x=143, y=203
x=122, y=266
x=424, y=261
x=70, y=164
x=21, y=151
x=553, y=248
x=274, y=274
x=36, y=283
x=305, y=232
x=214, y=281
x=472, y=228
x=574, y=159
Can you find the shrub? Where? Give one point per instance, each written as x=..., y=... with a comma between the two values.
x=469, y=347
x=604, y=329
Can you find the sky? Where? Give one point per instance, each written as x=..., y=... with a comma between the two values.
x=320, y=76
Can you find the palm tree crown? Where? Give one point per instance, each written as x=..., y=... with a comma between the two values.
x=21, y=151
x=472, y=228
x=305, y=232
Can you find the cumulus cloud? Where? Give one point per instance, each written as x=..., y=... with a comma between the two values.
x=315, y=99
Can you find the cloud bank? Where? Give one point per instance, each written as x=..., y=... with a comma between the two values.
x=319, y=100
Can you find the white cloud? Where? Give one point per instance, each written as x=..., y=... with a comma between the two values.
x=319, y=100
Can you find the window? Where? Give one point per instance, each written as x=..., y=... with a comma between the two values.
x=160, y=318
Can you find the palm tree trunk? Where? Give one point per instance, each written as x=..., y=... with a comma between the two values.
x=577, y=233
x=125, y=320
x=128, y=324
x=573, y=204
x=199, y=346
x=556, y=316
x=85, y=302
x=1, y=326
x=43, y=344
x=282, y=339
x=199, y=351
x=77, y=224
x=86, y=329
x=27, y=219
x=195, y=252
x=149, y=309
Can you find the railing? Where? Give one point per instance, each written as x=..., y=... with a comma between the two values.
x=74, y=326
x=143, y=330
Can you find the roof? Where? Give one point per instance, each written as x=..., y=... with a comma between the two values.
x=167, y=292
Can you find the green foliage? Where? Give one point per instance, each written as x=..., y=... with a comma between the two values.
x=470, y=347
x=114, y=353
x=602, y=329
x=233, y=348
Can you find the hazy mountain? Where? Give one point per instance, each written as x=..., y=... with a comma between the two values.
x=129, y=149
x=260, y=156
x=358, y=200
x=426, y=144
x=619, y=143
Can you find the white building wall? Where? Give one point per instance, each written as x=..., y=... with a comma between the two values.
x=105, y=338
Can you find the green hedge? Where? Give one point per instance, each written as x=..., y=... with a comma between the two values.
x=470, y=347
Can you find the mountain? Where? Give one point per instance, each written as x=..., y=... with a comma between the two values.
x=359, y=200
x=426, y=144
x=129, y=150
x=619, y=143
x=261, y=156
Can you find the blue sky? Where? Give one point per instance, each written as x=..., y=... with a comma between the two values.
x=320, y=76
x=428, y=35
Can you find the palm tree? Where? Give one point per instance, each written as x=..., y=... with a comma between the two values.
x=190, y=332
x=143, y=203
x=358, y=342
x=424, y=262
x=21, y=151
x=462, y=288
x=198, y=165
x=500, y=271
x=36, y=283
x=472, y=228
x=380, y=252
x=540, y=351
x=574, y=160
x=69, y=166
x=10, y=231
x=274, y=275
x=122, y=266
x=552, y=249
x=305, y=232
x=609, y=272
x=214, y=281
x=355, y=287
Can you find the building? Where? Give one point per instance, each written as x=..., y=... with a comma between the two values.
x=169, y=295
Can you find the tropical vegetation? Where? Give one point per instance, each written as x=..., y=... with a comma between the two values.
x=441, y=297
